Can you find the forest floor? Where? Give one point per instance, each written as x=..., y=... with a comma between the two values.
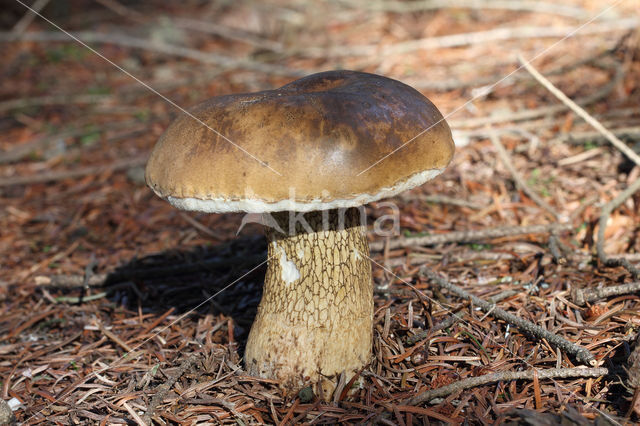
x=111, y=301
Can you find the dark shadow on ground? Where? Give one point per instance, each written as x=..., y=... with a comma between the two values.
x=620, y=394
x=195, y=280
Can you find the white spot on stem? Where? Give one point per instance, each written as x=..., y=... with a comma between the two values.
x=289, y=270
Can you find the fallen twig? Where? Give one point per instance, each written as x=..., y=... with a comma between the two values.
x=520, y=182
x=442, y=199
x=606, y=211
x=469, y=236
x=424, y=5
x=71, y=174
x=200, y=227
x=480, y=82
x=76, y=299
x=163, y=389
x=581, y=354
x=581, y=112
x=228, y=32
x=124, y=11
x=596, y=137
x=530, y=114
x=503, y=295
x=582, y=296
x=88, y=271
x=28, y=18
x=553, y=373
x=135, y=415
x=578, y=158
x=564, y=255
x=423, y=334
x=23, y=150
x=122, y=128
x=158, y=47
x=113, y=337
x=467, y=256
x=554, y=248
x=52, y=100
x=464, y=39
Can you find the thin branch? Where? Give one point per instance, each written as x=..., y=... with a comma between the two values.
x=624, y=148
x=158, y=47
x=554, y=248
x=479, y=82
x=72, y=174
x=135, y=415
x=52, y=100
x=581, y=354
x=530, y=114
x=507, y=161
x=472, y=256
x=200, y=227
x=228, y=32
x=114, y=337
x=28, y=18
x=504, y=376
x=23, y=150
x=441, y=199
x=124, y=11
x=464, y=39
x=582, y=296
x=512, y=5
x=424, y=334
x=597, y=137
x=163, y=389
x=579, y=158
x=581, y=112
x=414, y=259
x=469, y=236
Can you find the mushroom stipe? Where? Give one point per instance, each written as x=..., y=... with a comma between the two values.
x=323, y=324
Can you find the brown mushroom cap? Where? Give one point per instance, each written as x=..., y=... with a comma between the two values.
x=318, y=133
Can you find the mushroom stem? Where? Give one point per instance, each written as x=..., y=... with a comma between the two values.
x=315, y=317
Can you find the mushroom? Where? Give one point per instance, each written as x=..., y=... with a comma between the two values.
x=307, y=154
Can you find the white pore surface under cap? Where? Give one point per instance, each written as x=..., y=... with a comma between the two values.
x=222, y=205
